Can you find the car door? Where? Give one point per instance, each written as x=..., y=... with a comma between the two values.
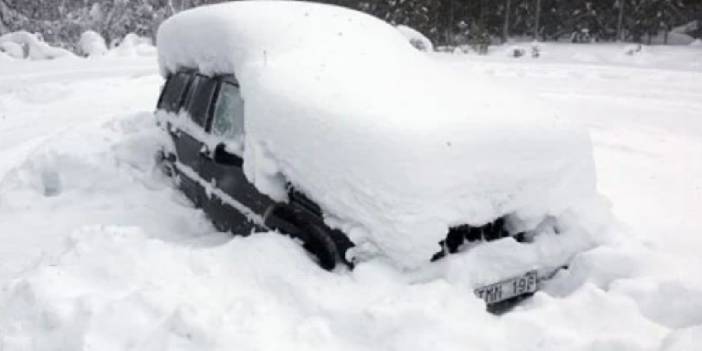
x=174, y=100
x=241, y=205
x=188, y=130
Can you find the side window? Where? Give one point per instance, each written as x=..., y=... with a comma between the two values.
x=199, y=99
x=228, y=121
x=173, y=92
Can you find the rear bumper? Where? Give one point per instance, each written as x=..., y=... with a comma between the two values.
x=488, y=263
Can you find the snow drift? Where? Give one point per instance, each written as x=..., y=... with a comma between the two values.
x=388, y=142
x=32, y=45
x=12, y=49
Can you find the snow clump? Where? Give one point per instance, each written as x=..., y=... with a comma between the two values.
x=92, y=44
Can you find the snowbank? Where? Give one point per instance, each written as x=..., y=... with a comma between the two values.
x=417, y=39
x=92, y=44
x=35, y=48
x=392, y=146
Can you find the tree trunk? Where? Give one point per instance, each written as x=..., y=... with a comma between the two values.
x=620, y=20
x=4, y=17
x=505, y=25
x=171, y=8
x=450, y=24
x=665, y=35
x=537, y=19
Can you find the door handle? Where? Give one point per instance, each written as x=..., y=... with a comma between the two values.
x=222, y=156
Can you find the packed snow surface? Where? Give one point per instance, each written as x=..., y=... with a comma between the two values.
x=100, y=252
x=395, y=148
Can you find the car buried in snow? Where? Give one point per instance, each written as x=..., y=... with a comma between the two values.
x=325, y=124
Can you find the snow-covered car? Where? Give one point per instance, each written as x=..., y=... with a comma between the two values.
x=326, y=124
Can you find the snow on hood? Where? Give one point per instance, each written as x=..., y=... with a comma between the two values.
x=388, y=142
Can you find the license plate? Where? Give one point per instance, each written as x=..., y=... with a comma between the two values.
x=508, y=289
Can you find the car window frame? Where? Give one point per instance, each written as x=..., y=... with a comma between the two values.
x=185, y=105
x=174, y=106
x=224, y=79
x=162, y=95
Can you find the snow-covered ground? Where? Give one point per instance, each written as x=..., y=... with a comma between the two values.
x=100, y=252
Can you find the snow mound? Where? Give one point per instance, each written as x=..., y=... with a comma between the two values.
x=133, y=45
x=393, y=147
x=417, y=39
x=92, y=44
x=696, y=43
x=35, y=48
x=12, y=49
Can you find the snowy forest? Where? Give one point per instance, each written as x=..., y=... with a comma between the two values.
x=446, y=22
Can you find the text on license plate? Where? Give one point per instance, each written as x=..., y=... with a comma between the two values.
x=507, y=289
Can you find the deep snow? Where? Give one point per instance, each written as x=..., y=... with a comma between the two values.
x=99, y=252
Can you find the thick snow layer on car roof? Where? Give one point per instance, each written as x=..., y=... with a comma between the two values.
x=386, y=140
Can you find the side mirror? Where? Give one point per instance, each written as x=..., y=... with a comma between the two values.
x=224, y=157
